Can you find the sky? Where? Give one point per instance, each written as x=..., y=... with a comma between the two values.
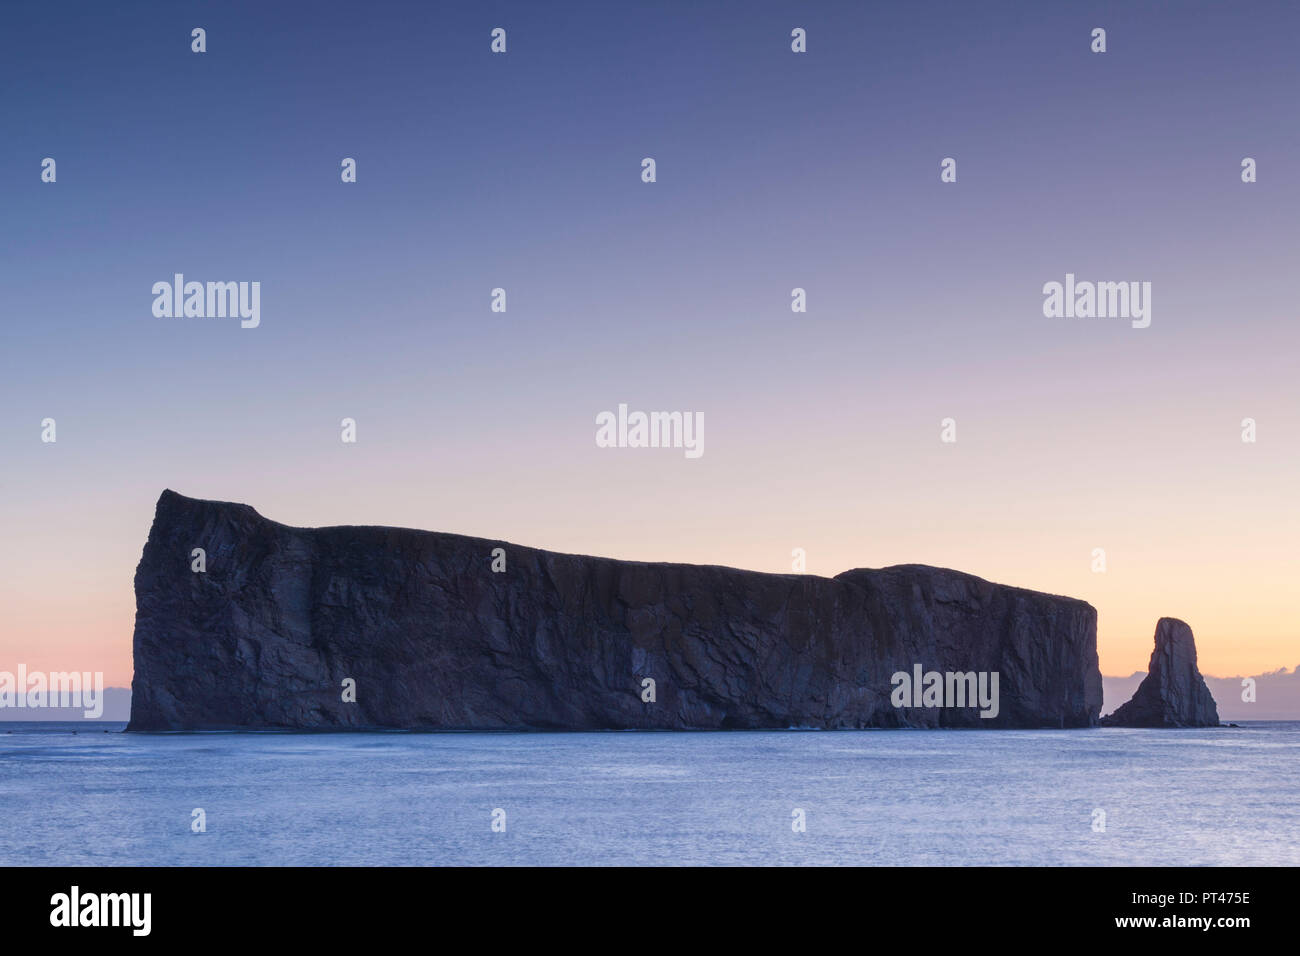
x=775, y=170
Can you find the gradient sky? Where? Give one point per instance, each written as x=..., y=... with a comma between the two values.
x=775, y=170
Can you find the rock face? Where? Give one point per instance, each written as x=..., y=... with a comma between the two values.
x=1173, y=694
x=268, y=634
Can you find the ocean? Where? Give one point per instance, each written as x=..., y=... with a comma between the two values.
x=1225, y=796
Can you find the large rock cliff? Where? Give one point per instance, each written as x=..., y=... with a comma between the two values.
x=434, y=638
x=1173, y=694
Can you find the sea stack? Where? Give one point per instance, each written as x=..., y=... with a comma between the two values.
x=351, y=628
x=1173, y=694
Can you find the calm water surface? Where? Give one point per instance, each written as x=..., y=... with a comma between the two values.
x=1199, y=797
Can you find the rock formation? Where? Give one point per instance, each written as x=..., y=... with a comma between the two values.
x=1173, y=694
x=269, y=634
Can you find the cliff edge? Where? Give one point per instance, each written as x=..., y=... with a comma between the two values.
x=280, y=622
